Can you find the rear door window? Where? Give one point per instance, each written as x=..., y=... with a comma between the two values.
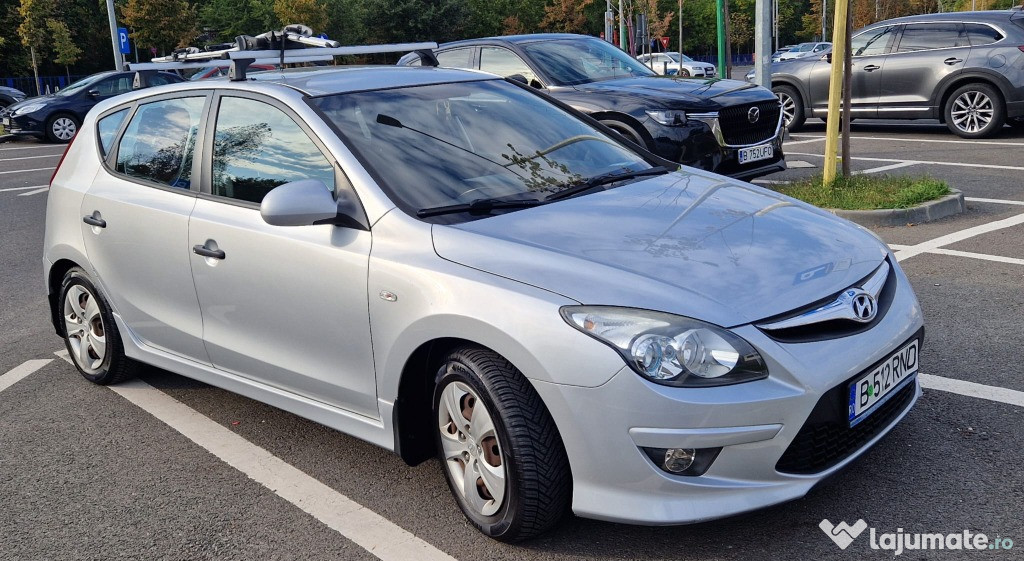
x=456, y=58
x=159, y=141
x=928, y=36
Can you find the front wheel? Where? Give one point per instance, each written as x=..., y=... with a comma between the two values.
x=499, y=448
x=975, y=111
x=61, y=128
x=90, y=333
x=792, y=107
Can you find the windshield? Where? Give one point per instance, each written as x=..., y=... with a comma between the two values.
x=447, y=144
x=569, y=62
x=806, y=47
x=82, y=84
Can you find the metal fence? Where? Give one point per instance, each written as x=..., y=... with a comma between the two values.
x=737, y=59
x=27, y=84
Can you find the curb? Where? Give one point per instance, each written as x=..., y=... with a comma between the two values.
x=949, y=205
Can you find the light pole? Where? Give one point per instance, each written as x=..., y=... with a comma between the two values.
x=720, y=21
x=622, y=27
x=112, y=17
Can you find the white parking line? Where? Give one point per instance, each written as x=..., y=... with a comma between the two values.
x=374, y=533
x=922, y=162
x=972, y=389
x=935, y=141
x=61, y=146
x=36, y=192
x=793, y=143
x=21, y=371
x=26, y=170
x=961, y=235
x=982, y=256
x=884, y=168
x=30, y=157
x=996, y=201
x=24, y=188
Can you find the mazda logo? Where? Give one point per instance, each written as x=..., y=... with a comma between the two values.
x=753, y=115
x=864, y=307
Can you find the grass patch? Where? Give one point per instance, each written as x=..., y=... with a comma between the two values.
x=866, y=192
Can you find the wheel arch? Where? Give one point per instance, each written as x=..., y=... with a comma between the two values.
x=55, y=277
x=628, y=119
x=959, y=80
x=777, y=81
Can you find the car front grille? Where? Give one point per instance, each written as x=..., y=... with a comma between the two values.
x=737, y=130
x=827, y=437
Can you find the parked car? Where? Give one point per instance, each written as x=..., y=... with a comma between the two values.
x=10, y=96
x=718, y=125
x=450, y=264
x=220, y=71
x=804, y=50
x=778, y=54
x=965, y=69
x=674, y=64
x=57, y=117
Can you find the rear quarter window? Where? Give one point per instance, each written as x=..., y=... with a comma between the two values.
x=107, y=128
x=980, y=34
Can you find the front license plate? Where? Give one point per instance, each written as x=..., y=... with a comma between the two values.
x=7, y=122
x=871, y=389
x=755, y=153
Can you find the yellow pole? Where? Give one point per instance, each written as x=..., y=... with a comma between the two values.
x=835, y=88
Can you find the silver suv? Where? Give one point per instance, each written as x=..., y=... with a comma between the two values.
x=965, y=69
x=448, y=264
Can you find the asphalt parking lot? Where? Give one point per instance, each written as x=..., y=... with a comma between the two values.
x=173, y=469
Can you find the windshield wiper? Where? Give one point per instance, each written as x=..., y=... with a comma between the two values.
x=479, y=206
x=604, y=179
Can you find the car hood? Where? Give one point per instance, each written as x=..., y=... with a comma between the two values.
x=698, y=245
x=711, y=94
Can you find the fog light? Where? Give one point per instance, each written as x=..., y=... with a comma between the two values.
x=682, y=461
x=678, y=460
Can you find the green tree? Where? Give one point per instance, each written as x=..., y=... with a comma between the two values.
x=312, y=13
x=65, y=51
x=565, y=16
x=162, y=24
x=394, y=21
x=32, y=31
x=231, y=18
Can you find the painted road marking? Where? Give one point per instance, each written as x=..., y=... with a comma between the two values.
x=797, y=164
x=996, y=201
x=23, y=188
x=971, y=142
x=961, y=235
x=30, y=157
x=21, y=371
x=971, y=389
x=884, y=168
x=982, y=256
x=61, y=146
x=371, y=531
x=26, y=170
x=812, y=139
x=36, y=192
x=922, y=162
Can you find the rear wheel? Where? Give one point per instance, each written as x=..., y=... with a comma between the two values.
x=792, y=106
x=498, y=446
x=90, y=334
x=975, y=111
x=61, y=128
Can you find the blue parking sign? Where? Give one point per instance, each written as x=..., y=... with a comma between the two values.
x=122, y=38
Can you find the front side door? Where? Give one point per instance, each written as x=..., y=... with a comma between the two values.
x=135, y=222
x=926, y=54
x=869, y=50
x=283, y=306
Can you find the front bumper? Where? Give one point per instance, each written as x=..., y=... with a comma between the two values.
x=754, y=423
x=22, y=125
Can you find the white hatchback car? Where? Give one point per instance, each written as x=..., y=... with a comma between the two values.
x=675, y=64
x=449, y=264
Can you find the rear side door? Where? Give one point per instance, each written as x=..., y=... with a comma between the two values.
x=135, y=220
x=283, y=306
x=925, y=55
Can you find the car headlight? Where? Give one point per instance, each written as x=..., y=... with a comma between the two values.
x=668, y=118
x=30, y=108
x=668, y=349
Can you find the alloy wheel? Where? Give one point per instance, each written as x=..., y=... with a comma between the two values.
x=64, y=128
x=972, y=111
x=472, y=452
x=788, y=108
x=83, y=324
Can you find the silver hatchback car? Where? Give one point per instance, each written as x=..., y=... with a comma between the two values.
x=449, y=264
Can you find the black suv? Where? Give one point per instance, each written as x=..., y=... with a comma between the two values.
x=725, y=126
x=964, y=68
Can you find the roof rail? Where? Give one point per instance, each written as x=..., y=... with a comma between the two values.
x=294, y=44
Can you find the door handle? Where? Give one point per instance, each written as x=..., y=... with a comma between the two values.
x=871, y=67
x=207, y=252
x=94, y=221
x=953, y=60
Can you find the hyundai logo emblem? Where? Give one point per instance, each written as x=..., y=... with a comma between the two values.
x=753, y=115
x=864, y=307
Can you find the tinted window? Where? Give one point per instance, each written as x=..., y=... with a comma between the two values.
x=160, y=79
x=980, y=34
x=258, y=147
x=872, y=42
x=107, y=129
x=456, y=58
x=159, y=140
x=570, y=62
x=924, y=36
x=504, y=62
x=115, y=86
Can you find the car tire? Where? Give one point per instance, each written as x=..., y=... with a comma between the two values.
x=792, y=107
x=488, y=418
x=625, y=130
x=975, y=111
x=62, y=127
x=90, y=334
x=684, y=73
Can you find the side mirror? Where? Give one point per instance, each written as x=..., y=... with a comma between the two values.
x=309, y=202
x=519, y=78
x=93, y=93
x=827, y=58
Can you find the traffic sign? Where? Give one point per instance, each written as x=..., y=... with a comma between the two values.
x=122, y=37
